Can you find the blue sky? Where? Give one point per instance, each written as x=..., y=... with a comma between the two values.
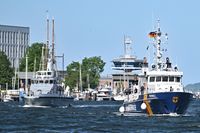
x=86, y=28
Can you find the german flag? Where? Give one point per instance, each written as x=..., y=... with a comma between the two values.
x=152, y=34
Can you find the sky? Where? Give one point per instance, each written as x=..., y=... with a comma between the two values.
x=86, y=28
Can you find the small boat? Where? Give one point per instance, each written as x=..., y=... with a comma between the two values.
x=46, y=88
x=7, y=98
x=120, y=97
x=160, y=89
x=104, y=94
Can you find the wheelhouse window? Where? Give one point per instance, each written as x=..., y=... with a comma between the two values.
x=41, y=81
x=152, y=79
x=51, y=81
x=171, y=78
x=177, y=79
x=158, y=79
x=165, y=78
x=48, y=73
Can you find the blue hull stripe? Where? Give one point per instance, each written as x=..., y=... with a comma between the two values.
x=163, y=103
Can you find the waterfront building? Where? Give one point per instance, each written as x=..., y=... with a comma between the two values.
x=123, y=67
x=105, y=81
x=14, y=41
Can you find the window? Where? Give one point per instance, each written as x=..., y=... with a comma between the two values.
x=171, y=78
x=177, y=79
x=24, y=38
x=158, y=79
x=8, y=37
x=49, y=73
x=14, y=37
x=3, y=37
x=152, y=79
x=11, y=38
x=165, y=78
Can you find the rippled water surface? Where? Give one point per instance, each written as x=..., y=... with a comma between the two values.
x=99, y=118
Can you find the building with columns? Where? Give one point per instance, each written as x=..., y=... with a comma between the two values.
x=14, y=41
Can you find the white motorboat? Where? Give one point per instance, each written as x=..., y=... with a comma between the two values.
x=104, y=94
x=7, y=98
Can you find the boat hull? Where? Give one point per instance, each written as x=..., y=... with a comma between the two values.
x=97, y=103
x=48, y=101
x=161, y=103
x=105, y=99
x=119, y=97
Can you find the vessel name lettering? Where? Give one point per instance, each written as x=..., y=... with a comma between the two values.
x=152, y=96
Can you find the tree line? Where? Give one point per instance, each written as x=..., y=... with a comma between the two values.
x=90, y=68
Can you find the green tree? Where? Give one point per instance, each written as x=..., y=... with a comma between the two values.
x=34, y=57
x=92, y=67
x=6, y=71
x=72, y=78
x=90, y=70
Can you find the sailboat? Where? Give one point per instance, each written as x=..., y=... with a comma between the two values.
x=46, y=88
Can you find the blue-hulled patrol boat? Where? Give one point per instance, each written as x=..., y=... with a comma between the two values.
x=159, y=89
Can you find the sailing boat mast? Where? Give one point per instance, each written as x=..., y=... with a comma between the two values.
x=17, y=63
x=34, y=69
x=80, y=76
x=26, y=82
x=47, y=45
x=124, y=74
x=53, y=43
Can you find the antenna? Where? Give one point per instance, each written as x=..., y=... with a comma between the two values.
x=158, y=43
x=156, y=35
x=124, y=45
x=47, y=28
x=127, y=46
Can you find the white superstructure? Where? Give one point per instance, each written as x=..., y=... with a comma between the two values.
x=162, y=76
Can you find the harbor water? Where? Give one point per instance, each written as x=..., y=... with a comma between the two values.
x=15, y=118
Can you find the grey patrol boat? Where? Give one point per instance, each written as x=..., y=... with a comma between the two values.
x=46, y=88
